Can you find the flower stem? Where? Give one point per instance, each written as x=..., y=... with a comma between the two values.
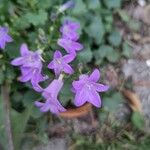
x=5, y=98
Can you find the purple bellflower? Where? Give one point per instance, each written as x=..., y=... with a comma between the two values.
x=69, y=30
x=69, y=37
x=31, y=67
x=51, y=103
x=4, y=37
x=60, y=63
x=86, y=89
x=67, y=5
x=70, y=46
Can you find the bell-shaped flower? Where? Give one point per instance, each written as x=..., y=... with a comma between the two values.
x=31, y=67
x=67, y=5
x=51, y=103
x=86, y=89
x=60, y=63
x=69, y=30
x=69, y=45
x=4, y=37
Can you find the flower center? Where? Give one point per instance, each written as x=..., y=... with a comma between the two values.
x=58, y=61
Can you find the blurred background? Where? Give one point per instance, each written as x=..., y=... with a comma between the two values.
x=116, y=39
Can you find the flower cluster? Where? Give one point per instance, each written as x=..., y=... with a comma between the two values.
x=85, y=89
x=31, y=66
x=69, y=37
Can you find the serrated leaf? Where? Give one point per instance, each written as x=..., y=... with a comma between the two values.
x=37, y=18
x=127, y=50
x=111, y=103
x=124, y=15
x=94, y=4
x=105, y=51
x=21, y=23
x=85, y=55
x=112, y=3
x=29, y=98
x=96, y=29
x=79, y=8
x=115, y=38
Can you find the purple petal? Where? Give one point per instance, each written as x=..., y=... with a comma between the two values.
x=56, y=107
x=95, y=75
x=45, y=107
x=24, y=49
x=57, y=54
x=80, y=98
x=17, y=62
x=68, y=69
x=57, y=71
x=53, y=89
x=69, y=46
x=8, y=38
x=69, y=58
x=26, y=77
x=100, y=87
x=38, y=104
x=51, y=65
x=77, y=85
x=2, y=44
x=94, y=98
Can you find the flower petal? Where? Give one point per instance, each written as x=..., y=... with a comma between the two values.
x=53, y=89
x=94, y=98
x=26, y=77
x=57, y=54
x=38, y=104
x=51, y=65
x=24, y=49
x=68, y=69
x=17, y=62
x=95, y=75
x=80, y=98
x=100, y=87
x=69, y=58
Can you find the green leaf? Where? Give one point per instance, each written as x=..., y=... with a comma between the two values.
x=21, y=23
x=127, y=50
x=80, y=7
x=96, y=29
x=111, y=103
x=19, y=123
x=113, y=57
x=124, y=15
x=115, y=38
x=94, y=4
x=66, y=94
x=29, y=98
x=138, y=120
x=108, y=52
x=85, y=55
x=36, y=113
x=112, y=3
x=46, y=4
x=37, y=18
